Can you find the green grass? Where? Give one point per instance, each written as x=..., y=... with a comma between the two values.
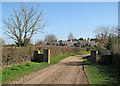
x=56, y=59
x=102, y=74
x=17, y=71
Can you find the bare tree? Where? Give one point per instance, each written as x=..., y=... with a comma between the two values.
x=70, y=36
x=114, y=32
x=39, y=42
x=102, y=33
x=2, y=42
x=49, y=38
x=24, y=23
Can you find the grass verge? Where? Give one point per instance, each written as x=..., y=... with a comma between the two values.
x=102, y=74
x=17, y=71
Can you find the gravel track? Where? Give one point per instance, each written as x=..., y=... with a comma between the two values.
x=68, y=71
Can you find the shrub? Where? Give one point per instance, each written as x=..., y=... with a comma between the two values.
x=110, y=43
x=17, y=55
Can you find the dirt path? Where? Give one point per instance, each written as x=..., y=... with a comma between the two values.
x=67, y=71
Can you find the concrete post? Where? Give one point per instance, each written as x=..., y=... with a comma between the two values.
x=35, y=56
x=93, y=56
x=46, y=56
x=38, y=57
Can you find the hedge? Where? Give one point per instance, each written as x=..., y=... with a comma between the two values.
x=17, y=55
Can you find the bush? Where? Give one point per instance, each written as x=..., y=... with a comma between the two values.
x=110, y=43
x=116, y=59
x=91, y=48
x=99, y=46
x=17, y=55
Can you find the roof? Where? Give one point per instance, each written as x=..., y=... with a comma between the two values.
x=92, y=43
x=81, y=41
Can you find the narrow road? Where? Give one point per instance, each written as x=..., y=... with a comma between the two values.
x=67, y=71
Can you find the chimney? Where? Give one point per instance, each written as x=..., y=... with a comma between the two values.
x=57, y=41
x=70, y=40
x=88, y=40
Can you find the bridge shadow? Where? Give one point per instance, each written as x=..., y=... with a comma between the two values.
x=78, y=63
x=75, y=63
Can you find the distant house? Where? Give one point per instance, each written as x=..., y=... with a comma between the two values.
x=83, y=42
x=67, y=43
x=79, y=43
x=88, y=43
x=93, y=43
